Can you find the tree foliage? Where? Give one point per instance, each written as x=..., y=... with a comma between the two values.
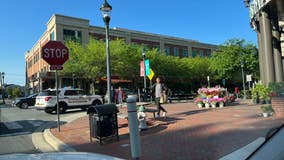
x=89, y=61
x=228, y=58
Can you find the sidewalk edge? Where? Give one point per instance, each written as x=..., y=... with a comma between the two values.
x=244, y=152
x=45, y=141
x=56, y=143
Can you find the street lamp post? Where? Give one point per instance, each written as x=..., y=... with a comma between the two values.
x=244, y=86
x=3, y=86
x=106, y=11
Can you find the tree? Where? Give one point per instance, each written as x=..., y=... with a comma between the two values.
x=226, y=61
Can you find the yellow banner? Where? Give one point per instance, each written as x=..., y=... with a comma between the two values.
x=151, y=75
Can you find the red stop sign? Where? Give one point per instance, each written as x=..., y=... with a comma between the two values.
x=55, y=53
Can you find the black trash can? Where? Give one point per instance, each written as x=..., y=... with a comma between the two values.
x=103, y=122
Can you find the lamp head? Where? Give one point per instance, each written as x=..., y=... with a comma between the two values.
x=106, y=11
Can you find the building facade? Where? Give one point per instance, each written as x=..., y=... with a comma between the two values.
x=62, y=28
x=267, y=19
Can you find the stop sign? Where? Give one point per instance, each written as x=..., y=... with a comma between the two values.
x=55, y=53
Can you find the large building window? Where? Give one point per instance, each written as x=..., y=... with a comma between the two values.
x=176, y=51
x=185, y=52
x=194, y=54
x=201, y=53
x=52, y=36
x=72, y=35
x=168, y=51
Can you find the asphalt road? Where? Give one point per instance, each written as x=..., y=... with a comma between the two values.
x=17, y=126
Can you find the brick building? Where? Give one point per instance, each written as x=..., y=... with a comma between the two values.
x=61, y=28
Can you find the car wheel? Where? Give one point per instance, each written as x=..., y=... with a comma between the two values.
x=49, y=111
x=62, y=108
x=24, y=105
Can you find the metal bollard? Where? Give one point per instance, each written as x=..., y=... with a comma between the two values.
x=133, y=127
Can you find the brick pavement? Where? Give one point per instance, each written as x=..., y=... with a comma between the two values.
x=186, y=133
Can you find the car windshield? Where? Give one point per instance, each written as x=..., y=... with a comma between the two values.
x=48, y=93
x=186, y=79
x=32, y=95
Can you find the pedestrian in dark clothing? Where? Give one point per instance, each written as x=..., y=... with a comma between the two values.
x=160, y=89
x=113, y=100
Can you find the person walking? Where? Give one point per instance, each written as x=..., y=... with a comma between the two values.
x=120, y=96
x=160, y=89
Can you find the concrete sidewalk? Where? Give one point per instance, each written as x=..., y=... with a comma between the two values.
x=186, y=133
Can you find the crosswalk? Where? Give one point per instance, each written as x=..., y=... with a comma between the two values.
x=22, y=124
x=19, y=127
x=13, y=125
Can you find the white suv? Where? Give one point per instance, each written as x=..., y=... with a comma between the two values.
x=69, y=98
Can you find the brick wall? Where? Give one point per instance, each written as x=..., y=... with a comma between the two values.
x=278, y=105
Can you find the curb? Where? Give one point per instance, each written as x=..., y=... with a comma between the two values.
x=244, y=152
x=57, y=144
x=45, y=141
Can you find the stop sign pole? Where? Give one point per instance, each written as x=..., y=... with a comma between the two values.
x=55, y=53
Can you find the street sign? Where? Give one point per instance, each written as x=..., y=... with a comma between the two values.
x=151, y=75
x=55, y=53
x=249, y=79
x=56, y=67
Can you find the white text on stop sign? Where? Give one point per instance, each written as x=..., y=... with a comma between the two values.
x=54, y=53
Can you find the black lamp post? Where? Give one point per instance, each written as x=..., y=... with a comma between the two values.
x=106, y=11
x=3, y=86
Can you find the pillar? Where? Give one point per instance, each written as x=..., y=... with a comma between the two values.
x=266, y=40
x=277, y=50
x=260, y=51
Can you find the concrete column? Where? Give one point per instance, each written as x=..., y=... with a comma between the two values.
x=128, y=38
x=162, y=45
x=260, y=58
x=260, y=52
x=277, y=51
x=266, y=39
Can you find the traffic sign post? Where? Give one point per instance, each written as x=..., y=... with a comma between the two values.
x=55, y=53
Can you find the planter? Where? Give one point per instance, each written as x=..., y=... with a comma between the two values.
x=200, y=105
x=207, y=105
x=278, y=105
x=213, y=105
x=265, y=114
x=221, y=104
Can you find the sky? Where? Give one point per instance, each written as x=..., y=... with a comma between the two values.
x=207, y=21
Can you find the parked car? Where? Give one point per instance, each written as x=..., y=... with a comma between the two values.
x=25, y=102
x=69, y=98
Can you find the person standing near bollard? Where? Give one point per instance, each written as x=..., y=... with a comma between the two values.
x=119, y=96
x=160, y=89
